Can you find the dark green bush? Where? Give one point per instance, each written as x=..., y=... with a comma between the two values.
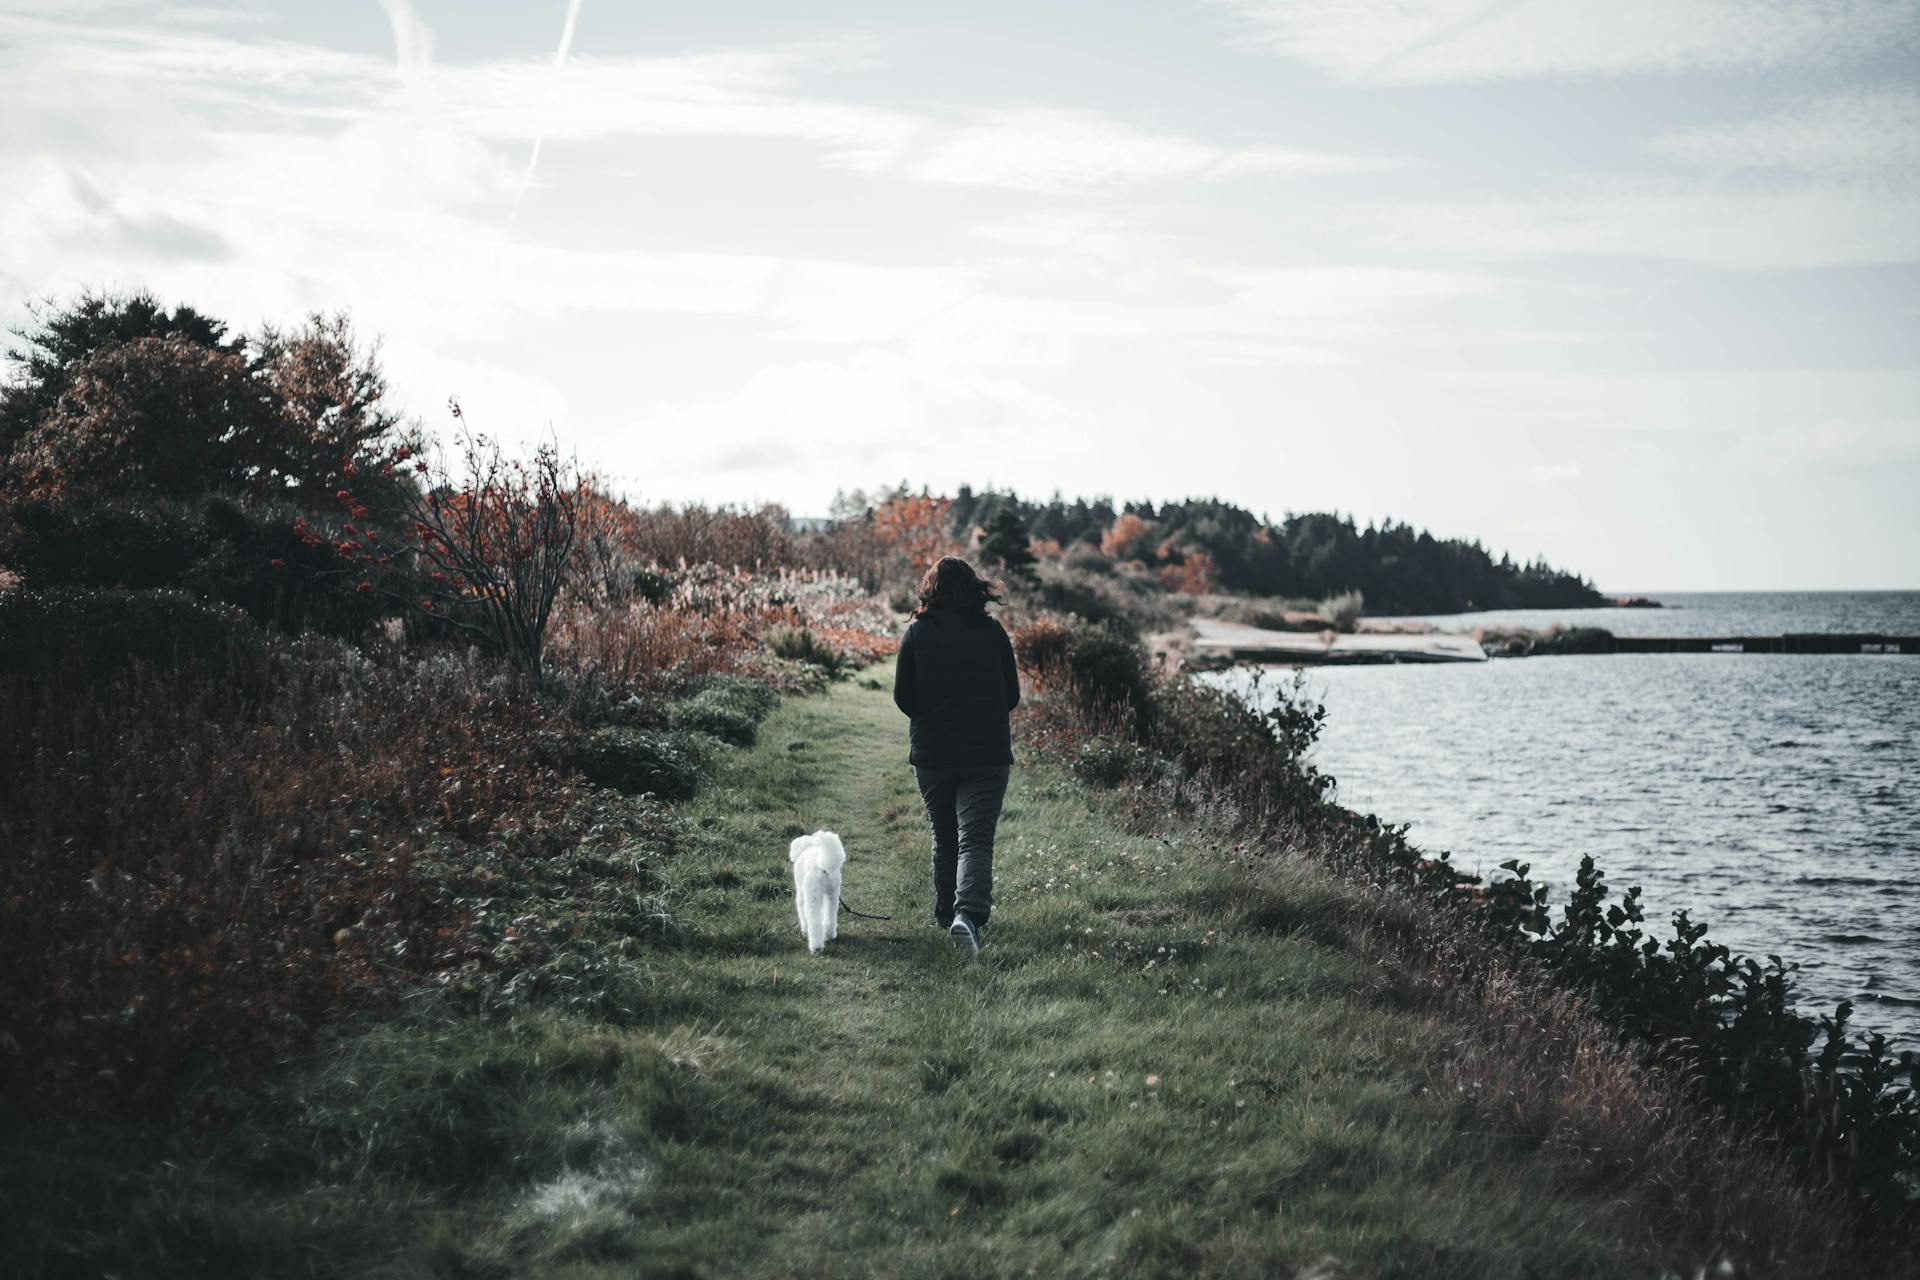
x=102, y=630
x=1251, y=746
x=799, y=645
x=651, y=585
x=249, y=554
x=728, y=707
x=1095, y=599
x=669, y=763
x=102, y=544
x=1087, y=559
x=1107, y=761
x=1102, y=663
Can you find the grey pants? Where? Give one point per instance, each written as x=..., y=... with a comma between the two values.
x=963, y=804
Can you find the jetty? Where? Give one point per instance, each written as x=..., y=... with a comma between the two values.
x=1798, y=642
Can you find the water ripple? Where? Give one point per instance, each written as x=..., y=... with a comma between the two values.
x=1687, y=774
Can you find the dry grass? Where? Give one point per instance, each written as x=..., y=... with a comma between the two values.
x=713, y=619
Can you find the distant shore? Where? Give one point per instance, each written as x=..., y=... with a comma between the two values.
x=1214, y=644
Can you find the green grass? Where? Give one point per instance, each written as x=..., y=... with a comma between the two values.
x=1161, y=1065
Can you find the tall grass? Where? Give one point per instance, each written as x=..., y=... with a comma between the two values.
x=1343, y=610
x=208, y=863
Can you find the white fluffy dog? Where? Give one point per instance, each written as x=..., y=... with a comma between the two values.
x=817, y=860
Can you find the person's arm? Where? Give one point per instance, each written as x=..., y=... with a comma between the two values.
x=1009, y=670
x=906, y=686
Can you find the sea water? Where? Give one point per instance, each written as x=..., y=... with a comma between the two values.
x=1775, y=797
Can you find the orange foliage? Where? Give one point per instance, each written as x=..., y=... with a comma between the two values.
x=1193, y=575
x=1129, y=538
x=916, y=527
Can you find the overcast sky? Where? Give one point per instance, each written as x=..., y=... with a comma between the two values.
x=1634, y=285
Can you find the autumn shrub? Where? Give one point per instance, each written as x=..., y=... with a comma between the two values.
x=490, y=537
x=714, y=620
x=1186, y=571
x=643, y=648
x=887, y=543
x=1130, y=538
x=724, y=536
x=1099, y=664
x=206, y=863
x=1253, y=750
x=1087, y=559
x=102, y=544
x=1132, y=603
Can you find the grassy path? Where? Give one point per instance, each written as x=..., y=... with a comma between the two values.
x=1152, y=1070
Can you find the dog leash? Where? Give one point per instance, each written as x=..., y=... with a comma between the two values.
x=863, y=915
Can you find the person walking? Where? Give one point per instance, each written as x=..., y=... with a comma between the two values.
x=957, y=682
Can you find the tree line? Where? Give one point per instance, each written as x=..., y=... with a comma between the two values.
x=1398, y=568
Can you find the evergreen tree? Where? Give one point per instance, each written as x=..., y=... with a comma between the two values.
x=1007, y=543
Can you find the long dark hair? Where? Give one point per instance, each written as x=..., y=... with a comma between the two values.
x=953, y=585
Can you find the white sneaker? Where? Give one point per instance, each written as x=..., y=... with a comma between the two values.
x=964, y=935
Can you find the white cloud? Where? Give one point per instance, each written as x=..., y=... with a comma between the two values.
x=498, y=401
x=1861, y=415
x=742, y=94
x=412, y=38
x=1313, y=293
x=1061, y=150
x=1842, y=442
x=1793, y=227
x=1104, y=304
x=794, y=433
x=262, y=178
x=737, y=94
x=1872, y=136
x=1427, y=41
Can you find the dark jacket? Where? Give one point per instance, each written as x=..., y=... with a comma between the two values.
x=956, y=680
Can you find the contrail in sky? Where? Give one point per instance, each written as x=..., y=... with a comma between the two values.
x=559, y=59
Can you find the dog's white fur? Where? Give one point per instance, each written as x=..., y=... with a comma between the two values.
x=817, y=860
